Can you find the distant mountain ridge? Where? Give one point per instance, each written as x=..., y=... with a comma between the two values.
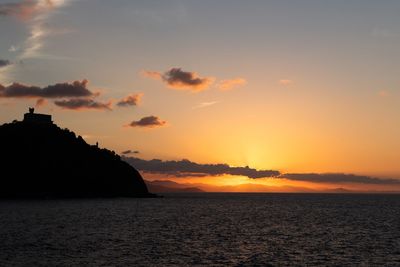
x=159, y=186
x=39, y=159
x=168, y=186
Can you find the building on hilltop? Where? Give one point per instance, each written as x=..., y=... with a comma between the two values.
x=36, y=117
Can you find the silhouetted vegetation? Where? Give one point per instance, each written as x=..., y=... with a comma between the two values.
x=43, y=160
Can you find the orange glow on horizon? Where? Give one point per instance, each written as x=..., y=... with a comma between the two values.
x=229, y=183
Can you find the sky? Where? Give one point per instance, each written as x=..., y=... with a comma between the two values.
x=300, y=87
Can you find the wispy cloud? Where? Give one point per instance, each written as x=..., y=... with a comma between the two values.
x=148, y=122
x=35, y=14
x=152, y=74
x=205, y=104
x=41, y=102
x=285, y=82
x=39, y=29
x=230, y=84
x=5, y=72
x=176, y=78
x=83, y=104
x=24, y=9
x=13, y=48
x=130, y=100
x=383, y=93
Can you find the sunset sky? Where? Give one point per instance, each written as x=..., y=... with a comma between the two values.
x=295, y=86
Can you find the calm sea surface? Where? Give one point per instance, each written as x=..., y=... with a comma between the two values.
x=203, y=229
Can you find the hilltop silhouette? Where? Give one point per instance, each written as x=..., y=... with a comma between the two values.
x=39, y=159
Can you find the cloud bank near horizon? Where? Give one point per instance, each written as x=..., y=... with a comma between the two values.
x=186, y=168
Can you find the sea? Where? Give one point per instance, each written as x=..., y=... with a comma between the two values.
x=203, y=229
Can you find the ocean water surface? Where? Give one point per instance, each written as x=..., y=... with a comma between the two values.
x=203, y=229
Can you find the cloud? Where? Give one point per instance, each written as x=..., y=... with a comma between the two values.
x=83, y=103
x=149, y=122
x=205, y=104
x=152, y=74
x=130, y=100
x=383, y=93
x=5, y=71
x=59, y=90
x=24, y=9
x=35, y=14
x=285, y=82
x=13, y=48
x=176, y=78
x=126, y=152
x=4, y=63
x=41, y=102
x=230, y=84
x=337, y=178
x=185, y=168
x=188, y=168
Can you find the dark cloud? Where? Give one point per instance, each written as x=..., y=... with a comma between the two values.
x=337, y=178
x=150, y=122
x=179, y=79
x=4, y=62
x=59, y=90
x=126, y=152
x=130, y=100
x=187, y=168
x=83, y=103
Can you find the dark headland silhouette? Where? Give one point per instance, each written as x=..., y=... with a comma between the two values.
x=39, y=159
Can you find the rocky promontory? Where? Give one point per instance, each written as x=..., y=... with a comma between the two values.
x=40, y=159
